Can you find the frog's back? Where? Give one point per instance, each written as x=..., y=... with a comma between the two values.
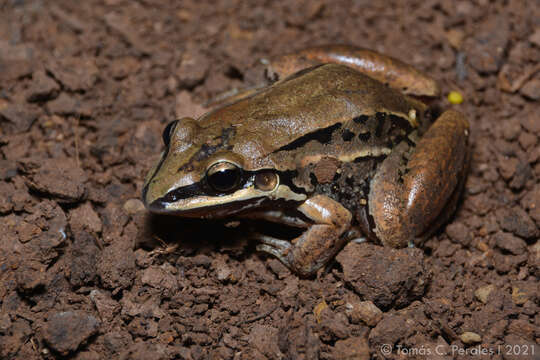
x=299, y=106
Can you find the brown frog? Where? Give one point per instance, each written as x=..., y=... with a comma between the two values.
x=330, y=144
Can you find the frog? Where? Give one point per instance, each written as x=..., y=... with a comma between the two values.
x=338, y=142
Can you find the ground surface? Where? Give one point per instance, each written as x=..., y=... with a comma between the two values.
x=85, y=91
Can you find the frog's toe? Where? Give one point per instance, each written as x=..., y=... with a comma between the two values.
x=278, y=253
x=282, y=245
x=275, y=247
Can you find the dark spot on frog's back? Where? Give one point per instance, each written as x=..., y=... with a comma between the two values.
x=324, y=136
x=364, y=136
x=207, y=150
x=362, y=119
x=400, y=122
x=381, y=119
x=226, y=135
x=347, y=135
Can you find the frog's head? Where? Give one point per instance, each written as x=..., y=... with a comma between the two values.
x=199, y=175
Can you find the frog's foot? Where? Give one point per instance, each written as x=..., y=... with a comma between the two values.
x=409, y=203
x=276, y=247
x=319, y=243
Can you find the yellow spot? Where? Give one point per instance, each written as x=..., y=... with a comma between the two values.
x=318, y=310
x=455, y=97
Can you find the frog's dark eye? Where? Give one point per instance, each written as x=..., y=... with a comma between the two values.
x=168, y=132
x=224, y=176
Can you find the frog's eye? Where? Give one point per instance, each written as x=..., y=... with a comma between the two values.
x=224, y=176
x=168, y=132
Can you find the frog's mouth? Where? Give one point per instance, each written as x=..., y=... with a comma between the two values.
x=191, y=202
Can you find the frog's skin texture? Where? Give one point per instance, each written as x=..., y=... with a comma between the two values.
x=331, y=145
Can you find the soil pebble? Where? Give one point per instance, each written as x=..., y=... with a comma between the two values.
x=60, y=179
x=469, y=337
x=396, y=276
x=364, y=311
x=518, y=222
x=65, y=331
x=42, y=88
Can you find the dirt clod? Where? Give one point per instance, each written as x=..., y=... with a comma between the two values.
x=397, y=276
x=65, y=331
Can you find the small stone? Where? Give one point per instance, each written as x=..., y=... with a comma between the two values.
x=84, y=258
x=523, y=328
x=470, y=338
x=84, y=218
x=116, y=341
x=364, y=311
x=74, y=73
x=8, y=169
x=521, y=176
x=133, y=206
x=68, y=105
x=333, y=325
x=122, y=67
x=59, y=178
x=511, y=129
x=27, y=231
x=531, y=89
x=455, y=38
x=527, y=140
x=18, y=118
x=42, y=87
x=105, y=305
x=65, y=331
x=519, y=297
x=507, y=167
x=486, y=48
x=192, y=69
x=518, y=222
x=354, y=348
x=530, y=122
x=400, y=274
x=459, y=233
x=116, y=267
x=264, y=338
x=15, y=60
x=30, y=275
x=161, y=279
x=535, y=37
x=510, y=243
x=482, y=293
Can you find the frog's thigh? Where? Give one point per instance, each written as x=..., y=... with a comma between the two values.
x=397, y=74
x=319, y=243
x=406, y=206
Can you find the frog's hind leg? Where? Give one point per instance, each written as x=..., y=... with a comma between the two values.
x=319, y=243
x=407, y=202
x=393, y=72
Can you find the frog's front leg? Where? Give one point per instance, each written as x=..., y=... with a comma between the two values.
x=319, y=243
x=411, y=198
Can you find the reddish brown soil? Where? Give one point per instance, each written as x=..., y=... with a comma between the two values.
x=85, y=91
